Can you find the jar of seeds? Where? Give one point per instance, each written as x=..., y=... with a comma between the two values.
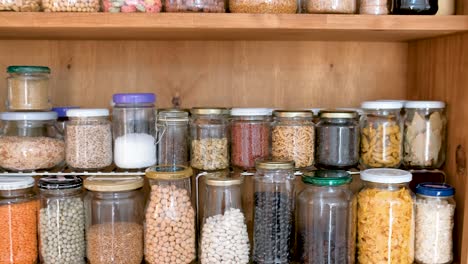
x=70, y=5
x=173, y=137
x=20, y=6
x=61, y=220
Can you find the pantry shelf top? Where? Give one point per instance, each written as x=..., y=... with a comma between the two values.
x=201, y=26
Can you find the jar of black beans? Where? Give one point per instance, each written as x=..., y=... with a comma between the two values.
x=273, y=212
x=337, y=139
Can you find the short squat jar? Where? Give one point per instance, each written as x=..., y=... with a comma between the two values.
x=18, y=215
x=425, y=135
x=209, y=130
x=61, y=220
x=435, y=210
x=88, y=138
x=337, y=136
x=274, y=195
x=134, y=130
x=173, y=137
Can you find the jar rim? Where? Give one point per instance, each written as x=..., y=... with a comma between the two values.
x=169, y=172
x=16, y=183
x=28, y=116
x=274, y=165
x=338, y=114
x=88, y=112
x=251, y=111
x=327, y=177
x=27, y=69
x=293, y=113
x=425, y=105
x=390, y=176
x=210, y=111
x=113, y=183
x=384, y=105
x=134, y=98
x=60, y=182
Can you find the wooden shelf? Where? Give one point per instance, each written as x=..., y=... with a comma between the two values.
x=199, y=26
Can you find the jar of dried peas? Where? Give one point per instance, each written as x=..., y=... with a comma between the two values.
x=293, y=137
x=385, y=217
x=18, y=217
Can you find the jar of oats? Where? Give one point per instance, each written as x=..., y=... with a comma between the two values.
x=28, y=88
x=264, y=6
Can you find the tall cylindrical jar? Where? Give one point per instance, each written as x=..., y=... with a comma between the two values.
x=435, y=209
x=209, y=130
x=375, y=7
x=114, y=209
x=273, y=212
x=224, y=237
x=381, y=134
x=293, y=137
x=425, y=134
x=385, y=224
x=250, y=136
x=170, y=216
x=337, y=139
x=326, y=219
x=134, y=130
x=88, y=139
x=173, y=137
x=18, y=217
x=61, y=220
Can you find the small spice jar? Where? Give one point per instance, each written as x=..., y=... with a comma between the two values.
x=170, y=204
x=62, y=116
x=114, y=209
x=326, y=218
x=88, y=139
x=18, y=216
x=385, y=217
x=274, y=195
x=337, y=139
x=250, y=136
x=329, y=7
x=375, y=7
x=28, y=88
x=416, y=7
x=425, y=134
x=206, y=6
x=435, y=209
x=381, y=134
x=173, y=137
x=209, y=130
x=61, y=220
x=293, y=137
x=30, y=141
x=134, y=130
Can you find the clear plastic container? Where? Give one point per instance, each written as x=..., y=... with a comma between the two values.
x=134, y=130
x=61, y=220
x=209, y=130
x=382, y=134
x=375, y=7
x=425, y=135
x=173, y=137
x=28, y=88
x=114, y=209
x=132, y=6
x=385, y=224
x=435, y=211
x=62, y=116
x=274, y=212
x=206, y=6
x=18, y=216
x=88, y=139
x=264, y=6
x=326, y=218
x=30, y=141
x=329, y=6
x=416, y=7
x=70, y=5
x=170, y=205
x=337, y=139
x=293, y=137
x=250, y=136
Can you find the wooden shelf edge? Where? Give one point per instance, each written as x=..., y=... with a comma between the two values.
x=200, y=26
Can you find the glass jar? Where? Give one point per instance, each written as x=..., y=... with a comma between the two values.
x=381, y=135
x=250, y=136
x=70, y=6
x=61, y=220
x=170, y=205
x=337, y=140
x=206, y=6
x=28, y=87
x=18, y=216
x=209, y=130
x=173, y=137
x=385, y=217
x=137, y=6
x=274, y=212
x=375, y=7
x=425, y=135
x=134, y=130
x=114, y=209
x=326, y=218
x=435, y=209
x=223, y=223
x=416, y=7
x=264, y=6
x=329, y=6
x=446, y=8
x=88, y=139
x=293, y=137
x=62, y=116
x=30, y=141
x=20, y=6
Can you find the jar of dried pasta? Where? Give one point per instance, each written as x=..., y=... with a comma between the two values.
x=293, y=137
x=425, y=134
x=381, y=134
x=385, y=217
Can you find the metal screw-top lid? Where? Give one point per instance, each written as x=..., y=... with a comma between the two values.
x=28, y=69
x=8, y=183
x=327, y=177
x=173, y=115
x=113, y=183
x=274, y=165
x=293, y=113
x=169, y=172
x=223, y=179
x=60, y=182
x=209, y=111
x=338, y=114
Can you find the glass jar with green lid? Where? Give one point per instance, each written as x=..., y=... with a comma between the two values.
x=28, y=88
x=325, y=222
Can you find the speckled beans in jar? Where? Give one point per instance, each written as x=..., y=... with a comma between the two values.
x=263, y=6
x=70, y=5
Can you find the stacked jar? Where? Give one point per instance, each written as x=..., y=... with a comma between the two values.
x=173, y=137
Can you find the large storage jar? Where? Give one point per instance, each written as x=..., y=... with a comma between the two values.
x=28, y=87
x=173, y=137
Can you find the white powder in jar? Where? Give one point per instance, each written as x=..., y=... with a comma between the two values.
x=135, y=151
